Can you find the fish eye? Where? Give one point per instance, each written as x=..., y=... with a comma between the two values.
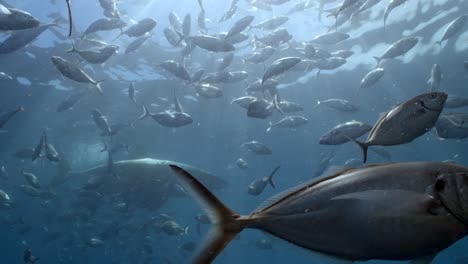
x=433, y=96
x=439, y=185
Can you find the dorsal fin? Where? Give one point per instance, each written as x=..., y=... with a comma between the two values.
x=296, y=189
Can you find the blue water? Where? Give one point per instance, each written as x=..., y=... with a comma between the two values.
x=212, y=142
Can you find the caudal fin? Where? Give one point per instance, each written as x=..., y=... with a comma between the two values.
x=270, y=178
x=364, y=147
x=226, y=222
x=98, y=86
x=146, y=113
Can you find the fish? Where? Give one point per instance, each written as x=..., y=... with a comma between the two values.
x=196, y=76
x=172, y=228
x=36, y=152
x=272, y=23
x=336, y=135
x=260, y=108
x=175, y=69
x=330, y=38
x=70, y=101
x=399, y=48
x=5, y=77
x=454, y=101
x=338, y=104
x=372, y=78
x=71, y=71
x=405, y=122
x=20, y=38
x=175, y=21
x=139, y=29
x=28, y=257
x=153, y=182
x=212, y=43
x=260, y=56
x=208, y=91
x=269, y=85
x=305, y=214
x=342, y=54
x=260, y=4
x=279, y=66
x=275, y=2
x=241, y=163
x=345, y=5
x=167, y=118
x=135, y=44
x=172, y=37
x=436, y=77
x=229, y=14
x=31, y=179
x=275, y=38
x=289, y=122
x=7, y=116
x=201, y=21
x=453, y=28
x=94, y=242
x=257, y=186
x=452, y=126
x=101, y=121
x=17, y=20
x=4, y=197
x=131, y=92
x=96, y=55
x=240, y=26
x=256, y=147
x=289, y=107
x=51, y=153
x=186, y=25
x=367, y=5
x=391, y=5
x=104, y=24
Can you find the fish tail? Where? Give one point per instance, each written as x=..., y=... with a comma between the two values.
x=364, y=147
x=270, y=126
x=227, y=223
x=377, y=59
x=73, y=49
x=146, y=113
x=98, y=86
x=440, y=43
x=270, y=178
x=186, y=230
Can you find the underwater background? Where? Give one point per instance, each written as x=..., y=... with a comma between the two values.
x=56, y=228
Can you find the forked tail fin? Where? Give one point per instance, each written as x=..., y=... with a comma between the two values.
x=364, y=147
x=226, y=222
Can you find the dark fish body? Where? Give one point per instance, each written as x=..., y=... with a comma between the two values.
x=131, y=92
x=187, y=25
x=257, y=86
x=275, y=38
x=375, y=198
x=452, y=126
x=338, y=135
x=70, y=101
x=104, y=24
x=134, y=45
x=240, y=25
x=406, y=122
x=436, y=77
x=244, y=101
x=36, y=153
x=289, y=107
x=258, y=185
x=453, y=28
x=279, y=66
x=261, y=5
x=50, y=152
x=97, y=56
x=5, y=117
x=172, y=119
x=31, y=179
x=18, y=20
x=372, y=78
x=28, y=257
x=331, y=38
x=212, y=43
x=399, y=48
x=5, y=77
x=260, y=108
x=171, y=37
x=339, y=104
x=289, y=122
x=74, y=73
x=328, y=63
x=201, y=21
x=101, y=121
x=272, y=23
x=392, y=5
x=176, y=69
x=235, y=39
x=19, y=39
x=256, y=147
x=208, y=91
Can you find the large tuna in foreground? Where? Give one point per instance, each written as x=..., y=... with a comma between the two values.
x=397, y=211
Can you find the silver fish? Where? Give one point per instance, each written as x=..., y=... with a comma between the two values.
x=176, y=69
x=392, y=5
x=208, y=91
x=19, y=39
x=104, y=24
x=399, y=48
x=330, y=38
x=338, y=104
x=139, y=29
x=279, y=66
x=175, y=21
x=389, y=193
x=372, y=78
x=257, y=186
x=16, y=19
x=5, y=77
x=275, y=38
x=212, y=43
x=436, y=77
x=101, y=121
x=336, y=135
x=31, y=179
x=134, y=45
x=289, y=122
x=262, y=55
x=272, y=23
x=453, y=28
x=74, y=73
x=172, y=37
x=241, y=163
x=240, y=25
x=405, y=122
x=96, y=56
x=187, y=25
x=256, y=147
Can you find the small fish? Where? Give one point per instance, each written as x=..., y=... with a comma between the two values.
x=51, y=153
x=96, y=55
x=330, y=38
x=240, y=26
x=139, y=29
x=175, y=69
x=104, y=24
x=21, y=38
x=187, y=25
x=94, y=243
x=207, y=90
x=399, y=48
x=279, y=66
x=391, y=5
x=5, y=117
x=134, y=45
x=36, y=153
x=17, y=20
x=289, y=122
x=256, y=147
x=212, y=43
x=5, y=77
x=241, y=163
x=272, y=23
x=31, y=179
x=453, y=28
x=258, y=185
x=131, y=92
x=74, y=73
x=70, y=101
x=436, y=77
x=101, y=121
x=336, y=135
x=372, y=78
x=338, y=104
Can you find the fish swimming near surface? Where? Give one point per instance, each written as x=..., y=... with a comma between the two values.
x=420, y=200
x=405, y=122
